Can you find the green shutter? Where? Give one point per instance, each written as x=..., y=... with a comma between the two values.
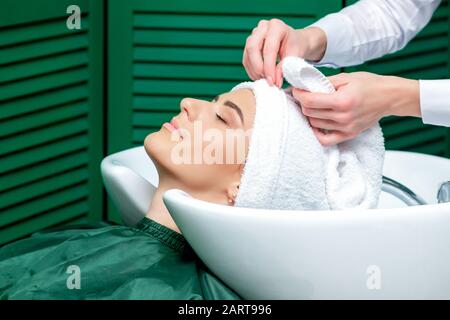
x=162, y=51
x=50, y=116
x=425, y=57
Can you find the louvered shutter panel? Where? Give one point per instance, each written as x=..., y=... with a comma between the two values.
x=50, y=116
x=163, y=51
x=425, y=57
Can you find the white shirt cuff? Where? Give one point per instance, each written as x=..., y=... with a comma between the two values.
x=338, y=29
x=435, y=102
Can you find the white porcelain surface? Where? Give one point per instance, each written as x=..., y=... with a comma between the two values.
x=269, y=254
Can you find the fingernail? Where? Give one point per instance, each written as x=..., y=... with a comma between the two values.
x=270, y=81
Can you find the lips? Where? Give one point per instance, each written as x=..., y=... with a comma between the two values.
x=174, y=123
x=173, y=126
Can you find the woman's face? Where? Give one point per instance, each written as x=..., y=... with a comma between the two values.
x=204, y=148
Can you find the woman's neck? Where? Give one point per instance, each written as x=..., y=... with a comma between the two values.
x=158, y=211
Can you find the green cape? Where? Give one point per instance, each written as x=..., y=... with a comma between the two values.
x=106, y=261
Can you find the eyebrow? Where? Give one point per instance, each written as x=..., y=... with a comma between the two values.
x=232, y=105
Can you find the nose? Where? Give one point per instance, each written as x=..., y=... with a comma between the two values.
x=191, y=107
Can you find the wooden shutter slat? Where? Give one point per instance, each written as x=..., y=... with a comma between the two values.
x=43, y=169
x=44, y=152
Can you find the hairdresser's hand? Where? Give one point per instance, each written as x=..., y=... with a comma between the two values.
x=274, y=38
x=361, y=100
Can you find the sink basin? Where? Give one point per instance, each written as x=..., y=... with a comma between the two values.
x=392, y=252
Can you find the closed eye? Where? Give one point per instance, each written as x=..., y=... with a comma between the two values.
x=233, y=106
x=220, y=118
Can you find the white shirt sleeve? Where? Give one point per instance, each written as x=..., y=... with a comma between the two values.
x=370, y=29
x=435, y=102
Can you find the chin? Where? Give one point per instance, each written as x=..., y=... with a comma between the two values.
x=153, y=145
x=149, y=143
x=158, y=148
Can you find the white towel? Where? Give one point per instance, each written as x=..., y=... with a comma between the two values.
x=354, y=171
x=287, y=168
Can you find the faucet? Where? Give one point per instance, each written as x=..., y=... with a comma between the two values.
x=444, y=192
x=403, y=193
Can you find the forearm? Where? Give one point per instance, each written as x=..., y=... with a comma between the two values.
x=401, y=96
x=316, y=41
x=428, y=99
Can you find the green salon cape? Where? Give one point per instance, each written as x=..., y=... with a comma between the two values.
x=107, y=261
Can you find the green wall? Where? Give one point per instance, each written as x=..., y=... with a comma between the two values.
x=51, y=116
x=68, y=98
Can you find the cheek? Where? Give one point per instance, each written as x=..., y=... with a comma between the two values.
x=224, y=146
x=201, y=176
x=235, y=148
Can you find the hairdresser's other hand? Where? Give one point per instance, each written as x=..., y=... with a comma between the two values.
x=360, y=101
x=274, y=39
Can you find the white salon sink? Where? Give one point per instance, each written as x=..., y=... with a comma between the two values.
x=392, y=252
x=421, y=173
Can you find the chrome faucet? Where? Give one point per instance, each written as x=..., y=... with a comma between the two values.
x=403, y=193
x=444, y=192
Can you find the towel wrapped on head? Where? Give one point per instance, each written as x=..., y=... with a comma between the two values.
x=287, y=167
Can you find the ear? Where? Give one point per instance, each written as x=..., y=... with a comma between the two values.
x=232, y=191
x=233, y=187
